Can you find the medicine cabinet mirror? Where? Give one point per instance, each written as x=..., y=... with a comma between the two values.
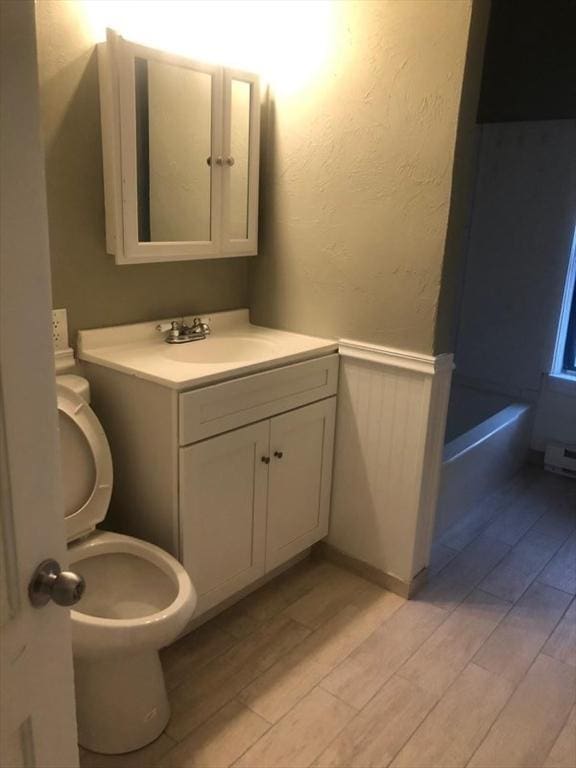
x=181, y=155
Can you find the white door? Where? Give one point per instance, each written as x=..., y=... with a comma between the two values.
x=223, y=511
x=37, y=715
x=301, y=453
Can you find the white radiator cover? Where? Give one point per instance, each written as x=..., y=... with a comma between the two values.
x=561, y=459
x=389, y=440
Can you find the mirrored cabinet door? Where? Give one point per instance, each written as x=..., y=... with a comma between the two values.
x=241, y=148
x=181, y=144
x=173, y=152
x=171, y=111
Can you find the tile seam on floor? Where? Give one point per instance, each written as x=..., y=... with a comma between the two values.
x=445, y=693
x=505, y=502
x=379, y=689
x=237, y=693
x=535, y=579
x=318, y=684
x=551, y=586
x=286, y=715
x=516, y=686
x=560, y=620
x=470, y=660
x=470, y=587
x=213, y=715
x=240, y=756
x=239, y=640
x=361, y=710
x=538, y=651
x=564, y=724
x=235, y=641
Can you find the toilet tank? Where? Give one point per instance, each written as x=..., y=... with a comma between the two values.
x=77, y=384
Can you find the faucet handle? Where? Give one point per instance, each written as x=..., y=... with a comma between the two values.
x=198, y=325
x=174, y=329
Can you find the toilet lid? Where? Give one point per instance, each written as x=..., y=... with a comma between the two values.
x=86, y=464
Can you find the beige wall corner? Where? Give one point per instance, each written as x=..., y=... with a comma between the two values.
x=389, y=441
x=357, y=178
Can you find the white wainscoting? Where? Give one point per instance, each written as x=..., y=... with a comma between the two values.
x=555, y=412
x=389, y=440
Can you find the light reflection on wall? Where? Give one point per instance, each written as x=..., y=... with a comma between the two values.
x=290, y=43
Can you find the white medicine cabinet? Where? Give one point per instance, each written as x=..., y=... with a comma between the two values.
x=181, y=142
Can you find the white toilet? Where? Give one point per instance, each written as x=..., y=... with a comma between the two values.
x=138, y=598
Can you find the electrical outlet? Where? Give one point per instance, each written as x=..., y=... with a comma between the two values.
x=60, y=329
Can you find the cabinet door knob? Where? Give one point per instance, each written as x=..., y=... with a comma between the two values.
x=266, y=459
x=230, y=161
x=278, y=454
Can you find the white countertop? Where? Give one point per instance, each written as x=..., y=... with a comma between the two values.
x=234, y=348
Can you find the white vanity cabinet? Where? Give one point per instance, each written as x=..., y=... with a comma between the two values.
x=233, y=477
x=253, y=498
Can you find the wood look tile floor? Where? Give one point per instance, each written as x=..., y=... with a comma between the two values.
x=322, y=668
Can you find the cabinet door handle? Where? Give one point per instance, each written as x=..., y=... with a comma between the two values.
x=278, y=454
x=266, y=459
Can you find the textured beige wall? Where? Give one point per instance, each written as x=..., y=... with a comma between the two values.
x=85, y=279
x=357, y=179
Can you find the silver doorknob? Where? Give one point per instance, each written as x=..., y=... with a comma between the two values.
x=50, y=582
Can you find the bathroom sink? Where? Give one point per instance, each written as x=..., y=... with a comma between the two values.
x=234, y=347
x=227, y=349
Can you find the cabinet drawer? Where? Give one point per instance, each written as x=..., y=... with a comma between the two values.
x=222, y=407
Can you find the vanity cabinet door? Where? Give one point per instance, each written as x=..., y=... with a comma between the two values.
x=223, y=484
x=301, y=453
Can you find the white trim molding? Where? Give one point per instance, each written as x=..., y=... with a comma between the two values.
x=389, y=441
x=397, y=358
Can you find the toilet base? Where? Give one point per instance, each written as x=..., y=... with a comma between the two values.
x=121, y=701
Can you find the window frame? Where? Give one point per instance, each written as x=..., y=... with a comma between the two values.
x=564, y=363
x=569, y=362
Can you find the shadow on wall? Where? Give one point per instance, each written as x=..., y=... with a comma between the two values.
x=268, y=209
x=463, y=182
x=85, y=278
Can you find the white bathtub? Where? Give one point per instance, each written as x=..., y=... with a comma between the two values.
x=489, y=441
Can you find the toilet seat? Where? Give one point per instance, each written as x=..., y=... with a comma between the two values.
x=97, y=498
x=99, y=635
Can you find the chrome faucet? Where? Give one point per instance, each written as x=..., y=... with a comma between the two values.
x=179, y=332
